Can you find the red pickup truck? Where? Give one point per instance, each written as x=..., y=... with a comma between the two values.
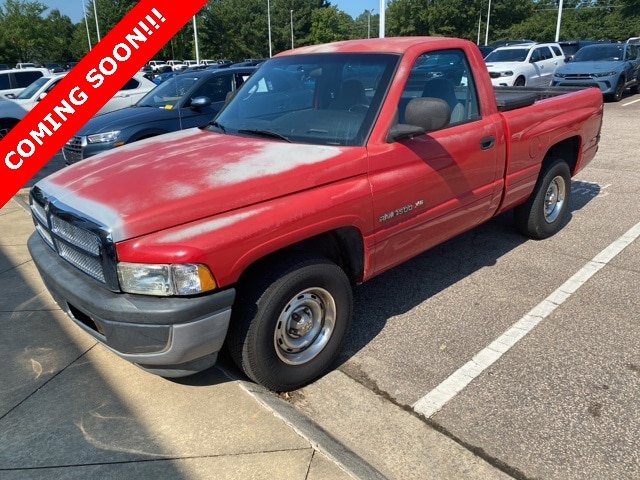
x=330, y=165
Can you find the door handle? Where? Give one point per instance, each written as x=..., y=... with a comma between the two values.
x=487, y=142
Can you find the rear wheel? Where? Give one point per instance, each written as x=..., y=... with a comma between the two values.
x=6, y=126
x=546, y=210
x=290, y=322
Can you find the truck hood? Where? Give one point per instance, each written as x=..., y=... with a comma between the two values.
x=125, y=118
x=585, y=68
x=180, y=177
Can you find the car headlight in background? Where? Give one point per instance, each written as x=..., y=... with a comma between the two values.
x=103, y=137
x=604, y=74
x=165, y=279
x=506, y=73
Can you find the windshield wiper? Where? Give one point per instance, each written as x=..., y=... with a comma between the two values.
x=218, y=125
x=264, y=133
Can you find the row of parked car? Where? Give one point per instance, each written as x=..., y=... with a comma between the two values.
x=141, y=109
x=612, y=67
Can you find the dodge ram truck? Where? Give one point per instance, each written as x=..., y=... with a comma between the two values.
x=331, y=164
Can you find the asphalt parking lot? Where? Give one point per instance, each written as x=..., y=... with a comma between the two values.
x=422, y=376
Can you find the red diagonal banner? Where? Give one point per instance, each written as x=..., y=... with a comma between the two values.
x=87, y=87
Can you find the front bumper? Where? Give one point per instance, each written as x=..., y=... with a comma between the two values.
x=607, y=84
x=171, y=336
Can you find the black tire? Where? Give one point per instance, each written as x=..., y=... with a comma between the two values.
x=616, y=96
x=545, y=213
x=636, y=88
x=520, y=82
x=289, y=321
x=6, y=126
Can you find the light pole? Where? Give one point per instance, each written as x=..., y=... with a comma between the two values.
x=291, y=11
x=95, y=13
x=269, y=25
x=559, y=21
x=86, y=24
x=383, y=11
x=195, y=38
x=369, y=22
x=486, y=38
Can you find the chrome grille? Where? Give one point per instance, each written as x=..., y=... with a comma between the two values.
x=87, y=263
x=81, y=238
x=73, y=150
x=83, y=243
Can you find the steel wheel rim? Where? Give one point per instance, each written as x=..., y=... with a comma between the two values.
x=305, y=326
x=554, y=199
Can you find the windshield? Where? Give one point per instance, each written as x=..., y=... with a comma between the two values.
x=508, y=55
x=168, y=94
x=599, y=53
x=322, y=99
x=31, y=90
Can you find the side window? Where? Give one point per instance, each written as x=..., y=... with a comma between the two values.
x=445, y=75
x=536, y=56
x=4, y=82
x=240, y=79
x=50, y=87
x=131, y=84
x=216, y=88
x=557, y=51
x=24, y=79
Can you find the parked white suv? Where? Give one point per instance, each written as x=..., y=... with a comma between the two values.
x=520, y=65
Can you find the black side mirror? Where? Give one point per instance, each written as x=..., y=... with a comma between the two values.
x=199, y=102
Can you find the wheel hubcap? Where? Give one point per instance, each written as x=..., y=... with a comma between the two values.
x=554, y=199
x=305, y=326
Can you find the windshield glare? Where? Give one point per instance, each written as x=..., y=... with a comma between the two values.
x=31, y=90
x=323, y=99
x=168, y=94
x=599, y=53
x=510, y=55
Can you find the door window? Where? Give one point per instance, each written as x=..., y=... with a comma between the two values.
x=445, y=75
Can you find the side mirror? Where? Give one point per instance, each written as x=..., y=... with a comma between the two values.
x=422, y=115
x=428, y=113
x=200, y=102
x=401, y=131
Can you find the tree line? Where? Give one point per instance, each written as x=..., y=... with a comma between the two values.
x=238, y=29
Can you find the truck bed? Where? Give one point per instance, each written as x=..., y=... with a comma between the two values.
x=511, y=98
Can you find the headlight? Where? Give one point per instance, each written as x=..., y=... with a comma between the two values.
x=165, y=280
x=605, y=74
x=559, y=75
x=103, y=137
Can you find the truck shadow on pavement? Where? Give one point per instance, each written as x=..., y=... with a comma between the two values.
x=406, y=286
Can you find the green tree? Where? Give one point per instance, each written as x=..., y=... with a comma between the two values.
x=22, y=30
x=330, y=25
x=408, y=17
x=58, y=30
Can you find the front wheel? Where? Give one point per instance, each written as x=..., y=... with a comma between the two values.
x=616, y=96
x=546, y=210
x=520, y=82
x=290, y=322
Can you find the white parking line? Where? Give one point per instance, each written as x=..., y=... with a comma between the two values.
x=433, y=401
x=630, y=103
